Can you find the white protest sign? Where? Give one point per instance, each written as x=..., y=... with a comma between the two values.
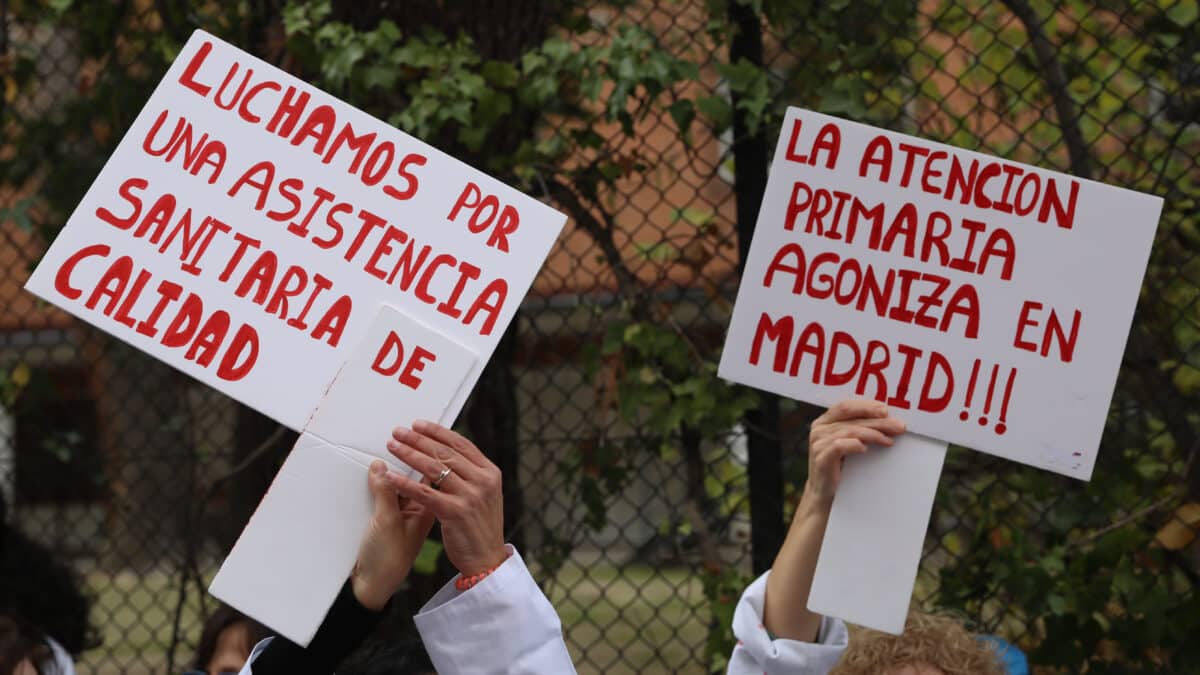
x=312, y=262
x=987, y=302
x=248, y=227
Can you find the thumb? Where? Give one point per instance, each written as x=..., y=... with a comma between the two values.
x=386, y=504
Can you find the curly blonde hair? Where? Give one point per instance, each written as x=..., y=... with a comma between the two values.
x=928, y=640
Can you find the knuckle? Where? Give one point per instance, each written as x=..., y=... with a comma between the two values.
x=492, y=485
x=477, y=499
x=453, y=507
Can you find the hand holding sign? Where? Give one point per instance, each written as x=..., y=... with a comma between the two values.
x=840, y=434
x=845, y=429
x=468, y=502
x=394, y=536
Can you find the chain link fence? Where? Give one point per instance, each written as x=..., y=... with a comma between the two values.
x=642, y=533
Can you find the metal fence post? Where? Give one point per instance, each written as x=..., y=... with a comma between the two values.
x=762, y=423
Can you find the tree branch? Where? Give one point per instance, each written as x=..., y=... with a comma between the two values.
x=602, y=234
x=249, y=459
x=1051, y=72
x=1122, y=522
x=1166, y=156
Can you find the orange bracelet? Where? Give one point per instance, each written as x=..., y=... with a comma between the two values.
x=463, y=583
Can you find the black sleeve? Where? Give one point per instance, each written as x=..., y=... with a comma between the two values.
x=345, y=626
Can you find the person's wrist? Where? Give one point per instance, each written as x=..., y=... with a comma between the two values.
x=814, y=502
x=485, y=563
x=371, y=592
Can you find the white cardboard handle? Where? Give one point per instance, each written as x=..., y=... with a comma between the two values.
x=872, y=548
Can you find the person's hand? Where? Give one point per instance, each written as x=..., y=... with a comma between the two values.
x=467, y=502
x=847, y=428
x=394, y=537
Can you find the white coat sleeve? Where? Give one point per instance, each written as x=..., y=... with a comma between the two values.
x=262, y=644
x=758, y=654
x=63, y=663
x=504, y=624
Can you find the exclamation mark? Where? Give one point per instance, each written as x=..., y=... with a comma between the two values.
x=1008, y=387
x=965, y=414
x=987, y=404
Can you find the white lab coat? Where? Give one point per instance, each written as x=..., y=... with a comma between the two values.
x=757, y=654
x=503, y=625
x=61, y=662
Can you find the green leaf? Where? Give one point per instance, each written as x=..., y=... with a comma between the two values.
x=697, y=217
x=1150, y=467
x=379, y=76
x=1057, y=604
x=557, y=49
x=427, y=557
x=658, y=252
x=500, y=74
x=614, y=339
x=716, y=109
x=682, y=112
x=1184, y=12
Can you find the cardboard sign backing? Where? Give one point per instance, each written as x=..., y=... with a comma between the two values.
x=401, y=371
x=870, y=554
x=300, y=545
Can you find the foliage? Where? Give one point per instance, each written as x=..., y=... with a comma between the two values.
x=64, y=117
x=1080, y=569
x=1089, y=577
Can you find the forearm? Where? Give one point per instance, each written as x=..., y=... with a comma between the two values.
x=785, y=609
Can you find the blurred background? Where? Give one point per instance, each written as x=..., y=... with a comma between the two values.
x=628, y=464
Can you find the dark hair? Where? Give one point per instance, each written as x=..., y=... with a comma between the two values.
x=388, y=657
x=225, y=617
x=40, y=598
x=20, y=641
x=393, y=646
